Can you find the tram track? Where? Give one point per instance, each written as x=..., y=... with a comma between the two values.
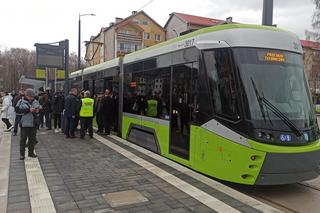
x=274, y=204
x=292, y=198
x=310, y=186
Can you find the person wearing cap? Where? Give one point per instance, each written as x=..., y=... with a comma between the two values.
x=29, y=108
x=86, y=115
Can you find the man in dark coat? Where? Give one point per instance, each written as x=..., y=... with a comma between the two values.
x=108, y=111
x=99, y=113
x=71, y=110
x=57, y=108
x=46, y=108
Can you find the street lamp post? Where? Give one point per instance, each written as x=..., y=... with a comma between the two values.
x=79, y=37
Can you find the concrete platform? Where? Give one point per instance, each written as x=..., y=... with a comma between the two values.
x=74, y=175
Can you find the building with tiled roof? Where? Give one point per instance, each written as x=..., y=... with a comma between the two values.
x=311, y=55
x=124, y=36
x=310, y=44
x=180, y=23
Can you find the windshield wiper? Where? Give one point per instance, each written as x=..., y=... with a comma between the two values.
x=262, y=100
x=282, y=116
x=259, y=100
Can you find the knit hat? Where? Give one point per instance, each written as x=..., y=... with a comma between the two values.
x=30, y=93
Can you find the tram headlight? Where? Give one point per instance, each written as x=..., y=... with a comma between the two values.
x=268, y=136
x=265, y=136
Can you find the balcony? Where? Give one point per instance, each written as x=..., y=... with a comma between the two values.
x=129, y=37
x=124, y=51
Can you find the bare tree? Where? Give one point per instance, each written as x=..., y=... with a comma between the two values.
x=315, y=24
x=14, y=63
x=312, y=54
x=73, y=60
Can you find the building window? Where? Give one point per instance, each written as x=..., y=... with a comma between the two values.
x=136, y=21
x=144, y=22
x=121, y=46
x=157, y=37
x=136, y=47
x=146, y=35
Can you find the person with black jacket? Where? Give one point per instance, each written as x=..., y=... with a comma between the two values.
x=108, y=111
x=71, y=107
x=46, y=108
x=57, y=108
x=99, y=113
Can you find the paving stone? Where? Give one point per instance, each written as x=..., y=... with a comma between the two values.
x=19, y=199
x=67, y=206
x=105, y=210
x=18, y=194
x=86, y=203
x=78, y=172
x=20, y=205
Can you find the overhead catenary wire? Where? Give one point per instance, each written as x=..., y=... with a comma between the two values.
x=145, y=5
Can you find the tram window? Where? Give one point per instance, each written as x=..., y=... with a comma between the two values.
x=137, y=67
x=157, y=93
x=147, y=93
x=150, y=64
x=186, y=55
x=99, y=86
x=164, y=60
x=221, y=81
x=86, y=85
x=134, y=92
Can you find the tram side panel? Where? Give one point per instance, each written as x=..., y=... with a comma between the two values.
x=176, y=131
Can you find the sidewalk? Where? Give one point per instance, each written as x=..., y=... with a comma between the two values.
x=101, y=174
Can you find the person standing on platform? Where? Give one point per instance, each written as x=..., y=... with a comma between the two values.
x=6, y=111
x=40, y=93
x=108, y=111
x=18, y=115
x=99, y=113
x=46, y=107
x=71, y=108
x=57, y=108
x=86, y=115
x=29, y=107
x=77, y=118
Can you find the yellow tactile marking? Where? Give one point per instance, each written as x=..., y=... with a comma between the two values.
x=192, y=191
x=40, y=198
x=210, y=182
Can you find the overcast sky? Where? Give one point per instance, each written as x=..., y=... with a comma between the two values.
x=25, y=22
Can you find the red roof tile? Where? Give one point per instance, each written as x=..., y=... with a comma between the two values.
x=198, y=20
x=310, y=44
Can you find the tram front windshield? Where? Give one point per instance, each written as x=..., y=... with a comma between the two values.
x=278, y=78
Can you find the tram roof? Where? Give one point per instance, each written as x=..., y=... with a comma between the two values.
x=99, y=67
x=225, y=35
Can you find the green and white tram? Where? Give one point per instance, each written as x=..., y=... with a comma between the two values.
x=230, y=101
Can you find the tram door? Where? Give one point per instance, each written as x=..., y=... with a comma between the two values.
x=181, y=110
